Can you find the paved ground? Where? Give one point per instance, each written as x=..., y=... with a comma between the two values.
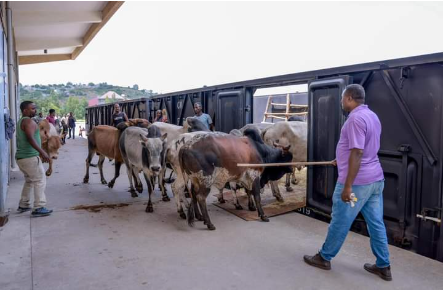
x=127, y=248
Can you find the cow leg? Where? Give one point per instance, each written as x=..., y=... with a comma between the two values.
x=257, y=198
x=276, y=191
x=221, y=200
x=294, y=179
x=88, y=162
x=130, y=175
x=49, y=171
x=101, y=159
x=151, y=185
x=288, y=182
x=161, y=183
x=201, y=198
x=116, y=174
x=138, y=182
x=236, y=202
x=251, y=205
x=177, y=190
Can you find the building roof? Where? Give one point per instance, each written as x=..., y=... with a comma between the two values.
x=111, y=95
x=93, y=101
x=61, y=28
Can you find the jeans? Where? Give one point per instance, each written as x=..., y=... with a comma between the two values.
x=370, y=203
x=35, y=180
x=73, y=132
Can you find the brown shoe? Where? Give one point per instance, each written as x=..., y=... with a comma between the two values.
x=384, y=273
x=317, y=261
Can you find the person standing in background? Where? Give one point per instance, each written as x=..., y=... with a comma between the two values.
x=71, y=125
x=51, y=116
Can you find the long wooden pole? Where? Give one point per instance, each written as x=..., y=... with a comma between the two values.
x=329, y=163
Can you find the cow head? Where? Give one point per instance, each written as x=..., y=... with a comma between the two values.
x=53, y=145
x=194, y=124
x=285, y=149
x=153, y=152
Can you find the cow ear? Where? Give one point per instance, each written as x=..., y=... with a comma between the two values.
x=142, y=138
x=164, y=136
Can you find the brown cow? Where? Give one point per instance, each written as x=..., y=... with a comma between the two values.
x=208, y=159
x=50, y=142
x=103, y=140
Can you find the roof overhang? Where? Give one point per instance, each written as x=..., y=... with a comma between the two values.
x=57, y=31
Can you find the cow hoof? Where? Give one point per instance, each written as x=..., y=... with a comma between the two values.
x=149, y=209
x=221, y=200
x=238, y=207
x=104, y=182
x=166, y=198
x=139, y=189
x=289, y=189
x=211, y=227
x=48, y=173
x=279, y=199
x=252, y=208
x=111, y=184
x=133, y=194
x=182, y=215
x=85, y=180
x=294, y=182
x=264, y=218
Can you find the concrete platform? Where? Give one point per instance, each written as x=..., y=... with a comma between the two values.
x=127, y=248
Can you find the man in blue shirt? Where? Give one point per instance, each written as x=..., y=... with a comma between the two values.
x=203, y=117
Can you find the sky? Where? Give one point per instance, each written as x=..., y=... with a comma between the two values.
x=172, y=46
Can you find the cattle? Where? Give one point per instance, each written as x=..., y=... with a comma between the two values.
x=294, y=133
x=210, y=159
x=103, y=140
x=143, y=150
x=50, y=142
x=296, y=118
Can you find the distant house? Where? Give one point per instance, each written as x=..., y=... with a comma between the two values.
x=93, y=101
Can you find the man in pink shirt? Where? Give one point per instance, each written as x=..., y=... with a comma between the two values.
x=51, y=116
x=359, y=173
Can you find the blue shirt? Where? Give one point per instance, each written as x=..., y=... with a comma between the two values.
x=205, y=118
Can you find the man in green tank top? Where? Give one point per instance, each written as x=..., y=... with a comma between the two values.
x=30, y=158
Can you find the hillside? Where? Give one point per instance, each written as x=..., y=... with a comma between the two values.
x=89, y=91
x=65, y=98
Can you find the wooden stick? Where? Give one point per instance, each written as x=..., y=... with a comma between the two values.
x=332, y=163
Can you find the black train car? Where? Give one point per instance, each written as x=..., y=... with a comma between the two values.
x=406, y=94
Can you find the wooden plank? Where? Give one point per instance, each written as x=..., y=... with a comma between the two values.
x=327, y=163
x=35, y=59
x=267, y=107
x=284, y=114
x=107, y=13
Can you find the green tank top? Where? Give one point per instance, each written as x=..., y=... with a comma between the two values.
x=24, y=148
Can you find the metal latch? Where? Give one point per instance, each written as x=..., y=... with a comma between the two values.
x=424, y=218
x=433, y=211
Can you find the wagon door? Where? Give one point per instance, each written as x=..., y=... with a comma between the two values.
x=233, y=109
x=325, y=121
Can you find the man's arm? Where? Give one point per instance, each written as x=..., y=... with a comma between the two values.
x=29, y=128
x=353, y=168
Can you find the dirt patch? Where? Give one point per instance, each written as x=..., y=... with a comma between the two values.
x=98, y=208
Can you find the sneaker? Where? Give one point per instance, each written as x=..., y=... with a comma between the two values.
x=23, y=209
x=384, y=273
x=42, y=211
x=317, y=261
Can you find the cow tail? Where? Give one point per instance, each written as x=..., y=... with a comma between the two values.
x=191, y=215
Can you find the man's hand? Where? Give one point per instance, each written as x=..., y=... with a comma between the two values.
x=346, y=194
x=334, y=163
x=44, y=156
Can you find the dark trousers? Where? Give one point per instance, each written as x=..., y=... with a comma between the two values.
x=73, y=132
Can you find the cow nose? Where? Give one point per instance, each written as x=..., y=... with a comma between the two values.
x=54, y=157
x=155, y=169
